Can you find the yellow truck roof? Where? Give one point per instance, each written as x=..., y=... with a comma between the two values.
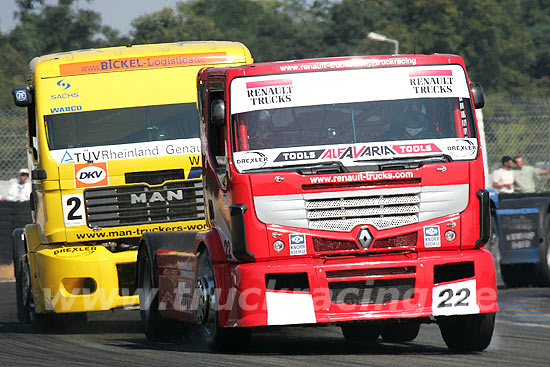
x=137, y=57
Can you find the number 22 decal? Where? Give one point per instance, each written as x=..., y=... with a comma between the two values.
x=462, y=294
x=455, y=298
x=73, y=210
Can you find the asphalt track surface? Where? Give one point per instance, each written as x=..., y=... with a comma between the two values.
x=521, y=338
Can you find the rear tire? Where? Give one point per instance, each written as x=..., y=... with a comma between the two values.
x=493, y=245
x=49, y=323
x=217, y=338
x=398, y=333
x=543, y=267
x=360, y=333
x=516, y=275
x=157, y=328
x=22, y=280
x=467, y=333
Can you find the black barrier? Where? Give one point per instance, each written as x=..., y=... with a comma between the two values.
x=12, y=215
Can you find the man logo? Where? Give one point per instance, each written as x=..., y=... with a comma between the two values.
x=156, y=196
x=91, y=175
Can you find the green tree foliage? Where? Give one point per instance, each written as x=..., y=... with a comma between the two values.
x=504, y=42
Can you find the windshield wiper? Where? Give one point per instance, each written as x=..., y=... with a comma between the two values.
x=398, y=163
x=316, y=168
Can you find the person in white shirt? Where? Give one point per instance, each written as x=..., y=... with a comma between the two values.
x=503, y=178
x=20, y=189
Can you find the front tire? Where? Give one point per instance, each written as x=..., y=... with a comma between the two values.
x=543, y=267
x=157, y=328
x=467, y=333
x=22, y=278
x=360, y=333
x=399, y=333
x=217, y=338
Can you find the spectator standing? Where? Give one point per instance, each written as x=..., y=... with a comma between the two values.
x=503, y=178
x=524, y=176
x=20, y=189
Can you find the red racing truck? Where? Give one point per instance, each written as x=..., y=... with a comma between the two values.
x=342, y=191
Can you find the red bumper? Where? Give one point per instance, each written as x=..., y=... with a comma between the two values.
x=305, y=291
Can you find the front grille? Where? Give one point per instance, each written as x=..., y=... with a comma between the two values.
x=142, y=204
x=371, y=272
x=381, y=211
x=371, y=291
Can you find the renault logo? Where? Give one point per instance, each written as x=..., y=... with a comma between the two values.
x=364, y=238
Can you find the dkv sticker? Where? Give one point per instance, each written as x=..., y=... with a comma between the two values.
x=297, y=244
x=432, y=237
x=90, y=175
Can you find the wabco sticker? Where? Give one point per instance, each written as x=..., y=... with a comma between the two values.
x=432, y=237
x=297, y=244
x=91, y=175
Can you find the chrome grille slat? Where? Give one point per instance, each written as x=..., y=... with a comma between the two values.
x=362, y=212
x=173, y=201
x=362, y=202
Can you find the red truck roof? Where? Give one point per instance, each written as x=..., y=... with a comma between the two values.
x=336, y=63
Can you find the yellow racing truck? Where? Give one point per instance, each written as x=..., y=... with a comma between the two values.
x=114, y=150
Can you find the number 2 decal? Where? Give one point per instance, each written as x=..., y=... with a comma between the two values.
x=455, y=298
x=73, y=210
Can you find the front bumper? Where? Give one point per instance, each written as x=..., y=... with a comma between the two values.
x=82, y=279
x=325, y=290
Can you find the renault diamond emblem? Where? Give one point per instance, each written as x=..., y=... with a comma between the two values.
x=364, y=238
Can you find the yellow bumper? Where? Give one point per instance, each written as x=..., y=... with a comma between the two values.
x=82, y=279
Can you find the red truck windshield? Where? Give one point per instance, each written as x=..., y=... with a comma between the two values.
x=352, y=123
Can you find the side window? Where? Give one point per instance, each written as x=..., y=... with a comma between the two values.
x=216, y=136
x=201, y=100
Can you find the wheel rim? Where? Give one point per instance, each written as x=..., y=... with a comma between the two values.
x=206, y=307
x=202, y=306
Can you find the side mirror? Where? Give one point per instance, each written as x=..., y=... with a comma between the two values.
x=477, y=93
x=217, y=112
x=39, y=174
x=22, y=95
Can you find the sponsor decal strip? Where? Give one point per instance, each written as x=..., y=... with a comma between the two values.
x=310, y=89
x=457, y=149
x=130, y=151
x=147, y=62
x=138, y=231
x=361, y=176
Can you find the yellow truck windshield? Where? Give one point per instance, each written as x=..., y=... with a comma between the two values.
x=122, y=126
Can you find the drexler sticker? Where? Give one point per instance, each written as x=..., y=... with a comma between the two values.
x=91, y=175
